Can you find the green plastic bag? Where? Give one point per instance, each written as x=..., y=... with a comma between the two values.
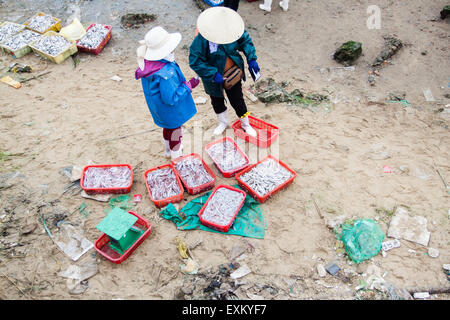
x=249, y=221
x=121, y=202
x=362, y=240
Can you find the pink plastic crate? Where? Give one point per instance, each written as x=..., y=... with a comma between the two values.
x=266, y=132
x=213, y=225
x=203, y=187
x=106, y=190
x=252, y=193
x=164, y=202
x=228, y=174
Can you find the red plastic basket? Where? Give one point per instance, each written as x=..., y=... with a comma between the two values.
x=106, y=190
x=266, y=132
x=228, y=174
x=101, y=45
x=213, y=225
x=164, y=202
x=201, y=188
x=102, y=247
x=252, y=193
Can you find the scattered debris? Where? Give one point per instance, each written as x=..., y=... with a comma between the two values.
x=71, y=241
x=96, y=197
x=242, y=271
x=11, y=82
x=432, y=252
x=200, y=100
x=428, y=95
x=135, y=20
x=421, y=295
x=321, y=270
x=250, y=95
x=137, y=198
x=391, y=47
x=116, y=78
x=29, y=228
x=332, y=268
x=390, y=244
x=414, y=229
x=362, y=239
x=201, y=4
x=19, y=68
x=268, y=91
x=191, y=267
x=445, y=12
x=348, y=53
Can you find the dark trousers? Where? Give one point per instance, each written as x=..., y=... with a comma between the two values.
x=232, y=4
x=236, y=99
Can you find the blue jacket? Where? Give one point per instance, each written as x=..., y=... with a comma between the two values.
x=168, y=98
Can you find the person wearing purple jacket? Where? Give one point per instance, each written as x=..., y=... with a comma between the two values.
x=166, y=91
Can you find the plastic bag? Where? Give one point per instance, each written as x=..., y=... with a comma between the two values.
x=73, y=31
x=362, y=240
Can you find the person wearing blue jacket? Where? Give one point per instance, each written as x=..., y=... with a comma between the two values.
x=166, y=91
x=215, y=56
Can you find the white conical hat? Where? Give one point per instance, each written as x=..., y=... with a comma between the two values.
x=158, y=44
x=220, y=25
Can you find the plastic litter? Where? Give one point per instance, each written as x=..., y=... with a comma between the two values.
x=391, y=244
x=432, y=252
x=200, y=100
x=242, y=271
x=73, y=31
x=362, y=240
x=332, y=268
x=71, y=241
x=421, y=295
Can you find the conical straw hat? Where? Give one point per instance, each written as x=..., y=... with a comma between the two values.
x=220, y=25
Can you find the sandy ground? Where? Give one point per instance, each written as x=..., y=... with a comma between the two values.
x=73, y=116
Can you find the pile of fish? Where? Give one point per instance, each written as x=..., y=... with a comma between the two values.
x=8, y=30
x=266, y=177
x=93, y=37
x=41, y=23
x=52, y=45
x=21, y=40
x=192, y=172
x=227, y=156
x=111, y=177
x=163, y=183
x=222, y=206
